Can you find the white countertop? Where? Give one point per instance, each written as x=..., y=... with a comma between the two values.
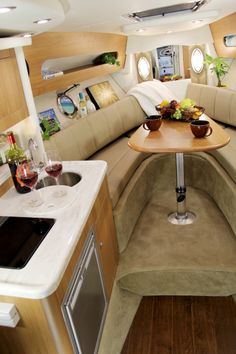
x=42, y=274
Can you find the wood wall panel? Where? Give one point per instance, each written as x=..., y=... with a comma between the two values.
x=5, y=186
x=13, y=106
x=53, y=45
x=221, y=28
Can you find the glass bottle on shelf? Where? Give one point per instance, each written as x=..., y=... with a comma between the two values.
x=14, y=155
x=89, y=104
x=82, y=105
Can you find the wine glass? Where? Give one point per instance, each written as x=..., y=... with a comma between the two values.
x=27, y=174
x=53, y=167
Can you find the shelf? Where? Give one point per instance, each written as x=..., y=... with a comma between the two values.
x=48, y=46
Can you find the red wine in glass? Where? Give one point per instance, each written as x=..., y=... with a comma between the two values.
x=53, y=167
x=30, y=179
x=54, y=170
x=27, y=174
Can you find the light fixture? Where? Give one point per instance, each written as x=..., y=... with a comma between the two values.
x=26, y=35
x=43, y=21
x=169, y=32
x=170, y=20
x=5, y=9
x=141, y=30
x=197, y=21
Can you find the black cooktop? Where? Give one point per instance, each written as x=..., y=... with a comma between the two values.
x=19, y=239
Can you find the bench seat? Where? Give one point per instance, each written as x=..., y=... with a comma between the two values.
x=226, y=155
x=122, y=163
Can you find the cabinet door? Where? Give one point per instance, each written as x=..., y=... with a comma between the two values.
x=12, y=100
x=107, y=244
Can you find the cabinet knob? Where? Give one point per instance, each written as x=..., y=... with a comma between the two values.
x=101, y=244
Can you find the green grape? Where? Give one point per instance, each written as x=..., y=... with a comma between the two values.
x=177, y=114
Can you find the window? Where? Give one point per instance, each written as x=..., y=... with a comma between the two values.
x=230, y=40
x=197, y=60
x=144, y=68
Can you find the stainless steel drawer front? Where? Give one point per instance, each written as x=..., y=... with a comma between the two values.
x=85, y=303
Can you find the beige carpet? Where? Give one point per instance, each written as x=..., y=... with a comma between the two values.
x=161, y=258
x=166, y=259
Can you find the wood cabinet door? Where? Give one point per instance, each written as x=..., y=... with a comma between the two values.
x=12, y=100
x=107, y=244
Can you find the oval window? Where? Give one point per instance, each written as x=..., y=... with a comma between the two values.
x=197, y=60
x=66, y=105
x=144, y=68
x=230, y=40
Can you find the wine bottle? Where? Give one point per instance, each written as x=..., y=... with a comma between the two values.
x=82, y=105
x=14, y=155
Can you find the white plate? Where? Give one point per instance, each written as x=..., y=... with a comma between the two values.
x=54, y=198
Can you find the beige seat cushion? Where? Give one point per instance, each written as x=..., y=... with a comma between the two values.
x=219, y=103
x=88, y=135
x=226, y=155
x=122, y=163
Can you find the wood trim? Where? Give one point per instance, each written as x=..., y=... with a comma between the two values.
x=186, y=60
x=13, y=106
x=5, y=186
x=107, y=243
x=219, y=29
x=53, y=45
x=32, y=333
x=6, y=53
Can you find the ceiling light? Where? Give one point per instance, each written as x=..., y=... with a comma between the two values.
x=27, y=35
x=141, y=30
x=43, y=21
x=4, y=10
x=197, y=21
x=169, y=31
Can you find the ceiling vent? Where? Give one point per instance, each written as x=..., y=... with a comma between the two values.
x=167, y=10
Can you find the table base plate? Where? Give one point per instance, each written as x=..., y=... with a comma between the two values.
x=186, y=219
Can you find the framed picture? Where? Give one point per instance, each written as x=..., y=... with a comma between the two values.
x=102, y=94
x=49, y=123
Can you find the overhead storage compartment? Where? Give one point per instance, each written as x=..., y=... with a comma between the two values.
x=220, y=29
x=56, y=45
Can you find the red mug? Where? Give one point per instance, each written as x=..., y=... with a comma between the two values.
x=201, y=128
x=152, y=122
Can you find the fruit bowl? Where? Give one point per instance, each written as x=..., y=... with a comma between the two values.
x=185, y=110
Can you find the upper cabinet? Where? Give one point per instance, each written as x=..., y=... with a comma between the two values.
x=219, y=29
x=65, y=45
x=13, y=107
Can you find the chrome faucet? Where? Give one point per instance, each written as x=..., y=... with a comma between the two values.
x=32, y=144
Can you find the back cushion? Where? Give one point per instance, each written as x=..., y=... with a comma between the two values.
x=88, y=135
x=219, y=103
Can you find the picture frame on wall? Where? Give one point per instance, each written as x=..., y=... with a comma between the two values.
x=49, y=123
x=102, y=94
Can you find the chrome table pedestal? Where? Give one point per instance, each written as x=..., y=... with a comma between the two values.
x=181, y=216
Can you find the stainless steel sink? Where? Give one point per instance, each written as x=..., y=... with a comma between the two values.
x=66, y=179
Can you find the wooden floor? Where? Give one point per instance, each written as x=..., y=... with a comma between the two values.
x=183, y=325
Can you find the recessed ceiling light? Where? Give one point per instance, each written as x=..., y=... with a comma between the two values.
x=141, y=30
x=169, y=31
x=43, y=21
x=197, y=21
x=5, y=9
x=27, y=35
